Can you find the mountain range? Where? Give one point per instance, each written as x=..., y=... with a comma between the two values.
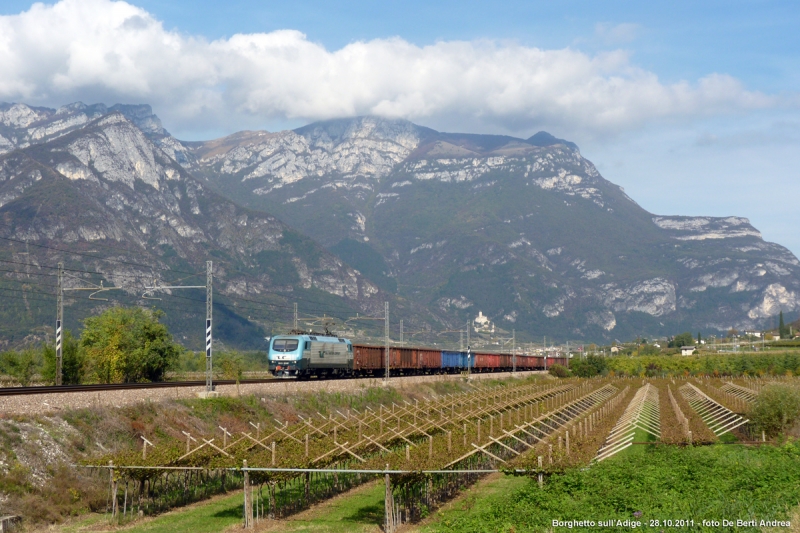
x=351, y=212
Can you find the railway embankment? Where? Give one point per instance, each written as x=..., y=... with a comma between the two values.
x=54, y=402
x=43, y=436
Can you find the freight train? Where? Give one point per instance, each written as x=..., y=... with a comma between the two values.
x=303, y=356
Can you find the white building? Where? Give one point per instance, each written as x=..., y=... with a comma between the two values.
x=687, y=350
x=482, y=323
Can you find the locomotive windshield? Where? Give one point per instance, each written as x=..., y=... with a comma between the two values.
x=285, y=345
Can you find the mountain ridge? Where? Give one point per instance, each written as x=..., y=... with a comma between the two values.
x=108, y=203
x=526, y=230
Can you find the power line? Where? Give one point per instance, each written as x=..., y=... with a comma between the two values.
x=320, y=306
x=150, y=267
x=105, y=275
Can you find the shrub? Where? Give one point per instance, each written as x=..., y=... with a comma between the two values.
x=559, y=371
x=591, y=366
x=72, y=361
x=128, y=345
x=20, y=365
x=684, y=339
x=776, y=409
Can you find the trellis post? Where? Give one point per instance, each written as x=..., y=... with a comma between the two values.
x=248, y=497
x=388, y=504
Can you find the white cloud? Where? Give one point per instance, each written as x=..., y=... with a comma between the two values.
x=99, y=50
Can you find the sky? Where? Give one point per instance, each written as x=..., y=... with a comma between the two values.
x=693, y=107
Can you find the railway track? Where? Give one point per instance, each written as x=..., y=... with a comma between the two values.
x=59, y=389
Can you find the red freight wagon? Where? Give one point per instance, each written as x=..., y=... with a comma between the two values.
x=403, y=358
x=524, y=362
x=430, y=359
x=368, y=357
x=556, y=361
x=487, y=362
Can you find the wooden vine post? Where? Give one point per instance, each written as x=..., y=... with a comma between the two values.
x=248, y=499
x=388, y=504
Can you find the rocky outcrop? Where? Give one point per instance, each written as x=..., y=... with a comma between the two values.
x=493, y=204
x=526, y=230
x=107, y=185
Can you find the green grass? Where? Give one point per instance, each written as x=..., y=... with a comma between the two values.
x=208, y=517
x=211, y=517
x=360, y=510
x=711, y=482
x=477, y=500
x=639, y=449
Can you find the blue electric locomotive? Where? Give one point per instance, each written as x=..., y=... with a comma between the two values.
x=300, y=356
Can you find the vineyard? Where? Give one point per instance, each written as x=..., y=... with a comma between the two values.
x=428, y=451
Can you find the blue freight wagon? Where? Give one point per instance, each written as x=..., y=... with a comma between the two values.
x=456, y=361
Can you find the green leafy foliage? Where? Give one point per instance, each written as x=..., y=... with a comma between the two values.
x=590, y=366
x=699, y=483
x=231, y=365
x=776, y=409
x=777, y=364
x=684, y=339
x=128, y=345
x=20, y=365
x=73, y=361
x=559, y=371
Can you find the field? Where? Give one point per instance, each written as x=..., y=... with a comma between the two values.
x=662, y=483
x=605, y=449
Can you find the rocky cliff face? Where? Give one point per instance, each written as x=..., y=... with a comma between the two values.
x=22, y=125
x=114, y=207
x=525, y=230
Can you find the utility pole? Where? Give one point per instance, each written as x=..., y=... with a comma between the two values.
x=59, y=322
x=469, y=354
x=469, y=362
x=401, y=333
x=514, y=349
x=209, y=306
x=295, y=316
x=386, y=333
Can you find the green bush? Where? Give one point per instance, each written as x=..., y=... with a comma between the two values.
x=591, y=366
x=684, y=339
x=559, y=371
x=72, y=362
x=776, y=409
x=128, y=345
x=21, y=366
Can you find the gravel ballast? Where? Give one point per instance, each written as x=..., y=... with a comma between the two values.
x=48, y=403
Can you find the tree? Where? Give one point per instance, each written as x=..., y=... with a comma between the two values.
x=232, y=366
x=72, y=361
x=783, y=331
x=776, y=408
x=699, y=338
x=684, y=339
x=128, y=345
x=19, y=365
x=591, y=366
